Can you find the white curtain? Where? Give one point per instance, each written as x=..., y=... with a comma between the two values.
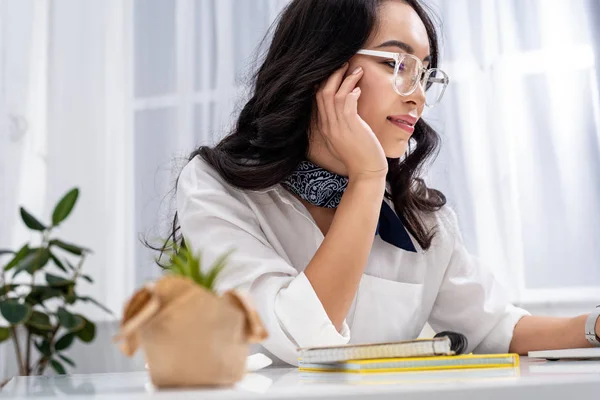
x=64, y=124
x=192, y=60
x=521, y=130
x=111, y=95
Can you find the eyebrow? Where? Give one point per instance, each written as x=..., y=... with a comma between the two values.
x=402, y=46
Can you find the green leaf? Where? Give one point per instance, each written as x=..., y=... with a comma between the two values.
x=64, y=342
x=39, y=294
x=71, y=248
x=4, y=290
x=31, y=221
x=4, y=333
x=64, y=207
x=38, y=332
x=40, y=321
x=178, y=267
x=18, y=257
x=184, y=262
x=58, y=367
x=54, y=280
x=86, y=299
x=57, y=262
x=34, y=261
x=216, y=269
x=187, y=267
x=69, y=321
x=88, y=333
x=87, y=278
x=67, y=360
x=71, y=298
x=194, y=268
x=71, y=267
x=14, y=312
x=44, y=348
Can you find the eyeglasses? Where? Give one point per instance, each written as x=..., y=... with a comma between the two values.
x=409, y=72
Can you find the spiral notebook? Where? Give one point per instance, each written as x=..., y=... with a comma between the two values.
x=411, y=348
x=415, y=364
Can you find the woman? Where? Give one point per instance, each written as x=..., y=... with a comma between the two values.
x=305, y=187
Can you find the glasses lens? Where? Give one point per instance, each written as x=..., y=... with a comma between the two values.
x=435, y=84
x=434, y=80
x=406, y=78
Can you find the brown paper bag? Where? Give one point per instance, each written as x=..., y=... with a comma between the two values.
x=190, y=336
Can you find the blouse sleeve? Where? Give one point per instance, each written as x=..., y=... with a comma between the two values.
x=471, y=301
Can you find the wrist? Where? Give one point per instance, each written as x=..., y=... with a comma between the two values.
x=368, y=185
x=371, y=176
x=364, y=192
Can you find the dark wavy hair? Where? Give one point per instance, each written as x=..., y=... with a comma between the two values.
x=312, y=39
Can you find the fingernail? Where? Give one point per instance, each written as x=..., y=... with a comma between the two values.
x=356, y=90
x=357, y=71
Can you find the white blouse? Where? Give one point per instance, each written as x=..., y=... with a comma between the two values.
x=274, y=237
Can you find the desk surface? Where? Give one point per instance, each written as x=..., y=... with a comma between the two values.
x=534, y=379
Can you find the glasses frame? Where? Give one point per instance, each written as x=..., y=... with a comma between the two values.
x=422, y=72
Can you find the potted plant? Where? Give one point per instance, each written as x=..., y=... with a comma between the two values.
x=39, y=308
x=190, y=335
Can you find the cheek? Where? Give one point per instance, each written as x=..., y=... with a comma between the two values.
x=376, y=100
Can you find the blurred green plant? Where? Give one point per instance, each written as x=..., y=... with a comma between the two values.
x=37, y=308
x=183, y=262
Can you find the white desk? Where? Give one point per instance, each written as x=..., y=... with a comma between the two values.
x=576, y=380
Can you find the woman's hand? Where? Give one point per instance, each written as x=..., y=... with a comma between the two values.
x=348, y=137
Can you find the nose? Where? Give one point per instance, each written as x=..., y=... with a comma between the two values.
x=417, y=97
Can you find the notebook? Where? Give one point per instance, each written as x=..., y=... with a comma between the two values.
x=415, y=364
x=581, y=354
x=410, y=348
x=442, y=376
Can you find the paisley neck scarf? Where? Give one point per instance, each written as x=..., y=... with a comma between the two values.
x=325, y=189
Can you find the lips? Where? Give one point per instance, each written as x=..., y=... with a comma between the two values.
x=405, y=122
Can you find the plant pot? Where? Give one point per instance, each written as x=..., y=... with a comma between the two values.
x=190, y=336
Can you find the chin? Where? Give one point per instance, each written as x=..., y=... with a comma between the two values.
x=397, y=151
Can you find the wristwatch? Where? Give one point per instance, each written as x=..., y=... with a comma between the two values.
x=590, y=327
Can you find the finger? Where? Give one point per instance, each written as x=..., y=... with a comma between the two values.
x=321, y=112
x=335, y=79
x=350, y=108
x=329, y=91
x=350, y=81
x=346, y=87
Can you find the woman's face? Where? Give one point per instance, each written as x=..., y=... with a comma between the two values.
x=400, y=30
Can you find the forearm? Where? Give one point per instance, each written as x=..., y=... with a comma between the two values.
x=337, y=266
x=549, y=333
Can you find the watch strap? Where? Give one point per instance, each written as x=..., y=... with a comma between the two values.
x=590, y=327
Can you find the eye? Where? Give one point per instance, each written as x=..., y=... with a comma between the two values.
x=391, y=63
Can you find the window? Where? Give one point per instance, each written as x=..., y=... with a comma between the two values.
x=520, y=159
x=190, y=66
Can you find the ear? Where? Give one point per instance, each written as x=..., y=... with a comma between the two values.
x=255, y=330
